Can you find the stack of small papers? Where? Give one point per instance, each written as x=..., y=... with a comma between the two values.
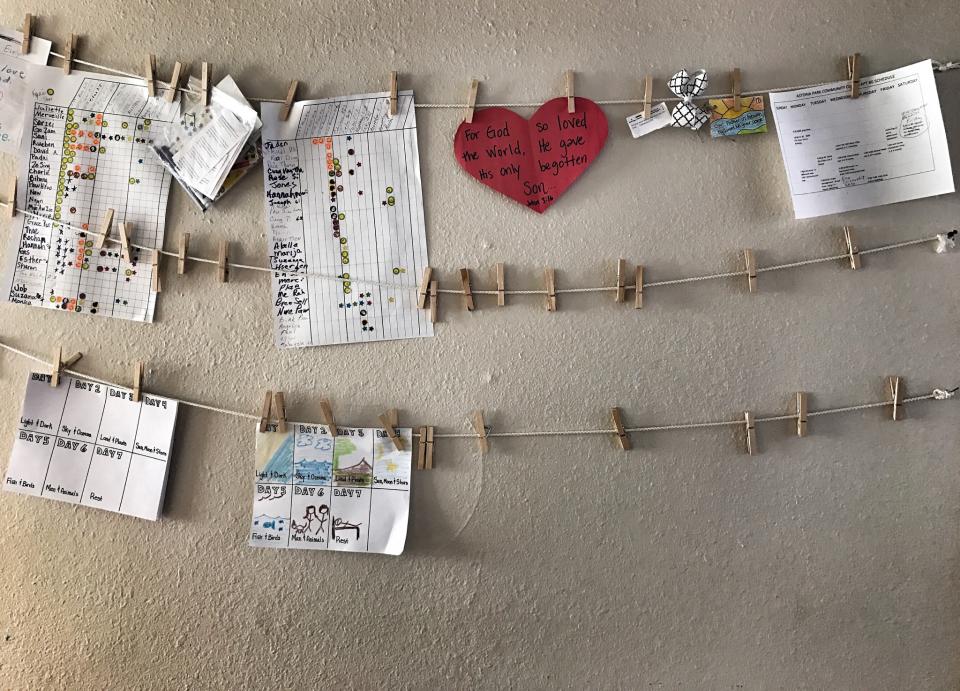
x=211, y=147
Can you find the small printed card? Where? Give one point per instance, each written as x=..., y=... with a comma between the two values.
x=659, y=118
x=88, y=443
x=726, y=121
x=313, y=491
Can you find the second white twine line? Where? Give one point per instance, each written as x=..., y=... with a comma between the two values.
x=453, y=291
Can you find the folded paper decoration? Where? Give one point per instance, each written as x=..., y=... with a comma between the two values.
x=687, y=87
x=532, y=161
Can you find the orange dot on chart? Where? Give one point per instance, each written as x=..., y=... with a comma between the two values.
x=85, y=226
x=77, y=167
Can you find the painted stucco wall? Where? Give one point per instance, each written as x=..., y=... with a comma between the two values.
x=831, y=562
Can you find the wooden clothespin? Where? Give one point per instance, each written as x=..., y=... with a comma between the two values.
x=265, y=412
x=389, y=422
x=853, y=74
x=638, y=287
x=424, y=290
x=751, y=268
x=647, y=96
x=206, y=77
x=735, y=88
x=182, y=253
x=223, y=262
x=853, y=251
x=105, y=225
x=150, y=74
x=471, y=101
x=59, y=364
x=621, y=295
x=27, y=34
x=125, y=231
x=156, y=285
x=895, y=388
x=622, y=437
x=568, y=90
x=68, y=51
x=288, y=101
x=425, y=450
x=393, y=94
x=550, y=280
x=751, y=428
x=501, y=285
x=10, y=208
x=801, y=414
x=174, y=84
x=137, y=381
x=481, y=429
x=467, y=291
x=273, y=406
x=433, y=301
x=280, y=412
x=326, y=412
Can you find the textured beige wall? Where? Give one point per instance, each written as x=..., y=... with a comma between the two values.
x=828, y=562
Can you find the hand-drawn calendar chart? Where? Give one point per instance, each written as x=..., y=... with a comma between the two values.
x=349, y=493
x=88, y=443
x=344, y=204
x=85, y=150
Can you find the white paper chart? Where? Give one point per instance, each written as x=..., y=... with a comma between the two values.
x=91, y=444
x=313, y=491
x=344, y=200
x=86, y=149
x=887, y=146
x=13, y=83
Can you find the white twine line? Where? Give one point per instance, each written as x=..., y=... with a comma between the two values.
x=938, y=66
x=936, y=394
x=453, y=291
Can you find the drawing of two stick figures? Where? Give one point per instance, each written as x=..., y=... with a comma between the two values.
x=312, y=515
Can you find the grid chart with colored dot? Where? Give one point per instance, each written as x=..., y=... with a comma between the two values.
x=344, y=196
x=88, y=151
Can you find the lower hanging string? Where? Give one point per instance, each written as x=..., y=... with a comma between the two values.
x=936, y=394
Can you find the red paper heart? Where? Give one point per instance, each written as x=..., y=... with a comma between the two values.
x=532, y=161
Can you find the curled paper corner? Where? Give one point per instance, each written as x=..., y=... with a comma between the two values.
x=946, y=241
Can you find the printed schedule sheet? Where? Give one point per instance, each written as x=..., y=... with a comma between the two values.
x=344, y=210
x=842, y=154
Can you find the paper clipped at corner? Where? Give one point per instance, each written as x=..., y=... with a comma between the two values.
x=659, y=118
x=91, y=444
x=887, y=146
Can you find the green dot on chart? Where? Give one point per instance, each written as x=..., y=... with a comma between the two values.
x=389, y=190
x=133, y=181
x=342, y=216
x=49, y=92
x=396, y=271
x=391, y=201
x=124, y=125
